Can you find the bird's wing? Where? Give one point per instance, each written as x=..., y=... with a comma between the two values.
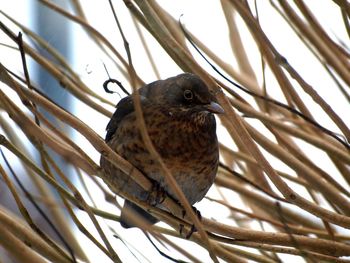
x=124, y=107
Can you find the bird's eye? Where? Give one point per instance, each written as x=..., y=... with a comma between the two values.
x=188, y=95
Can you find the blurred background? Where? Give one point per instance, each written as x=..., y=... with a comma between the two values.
x=75, y=46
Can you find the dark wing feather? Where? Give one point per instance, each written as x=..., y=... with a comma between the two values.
x=124, y=107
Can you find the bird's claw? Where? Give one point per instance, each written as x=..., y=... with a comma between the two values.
x=192, y=230
x=193, y=227
x=195, y=210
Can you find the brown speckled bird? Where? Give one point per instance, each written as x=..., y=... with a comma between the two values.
x=178, y=113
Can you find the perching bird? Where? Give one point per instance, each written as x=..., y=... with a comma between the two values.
x=178, y=113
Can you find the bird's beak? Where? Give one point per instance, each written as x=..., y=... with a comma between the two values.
x=214, y=107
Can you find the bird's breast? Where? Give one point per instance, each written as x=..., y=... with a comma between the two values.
x=187, y=144
x=182, y=136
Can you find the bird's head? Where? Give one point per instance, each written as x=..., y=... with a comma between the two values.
x=186, y=92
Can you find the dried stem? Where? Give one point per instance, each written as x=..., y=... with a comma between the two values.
x=280, y=197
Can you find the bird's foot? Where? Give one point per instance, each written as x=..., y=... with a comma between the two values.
x=193, y=227
x=157, y=195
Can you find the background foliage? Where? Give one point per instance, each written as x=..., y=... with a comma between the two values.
x=283, y=182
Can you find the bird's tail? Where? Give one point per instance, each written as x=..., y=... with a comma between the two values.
x=130, y=211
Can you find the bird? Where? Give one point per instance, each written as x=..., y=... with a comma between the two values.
x=179, y=117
